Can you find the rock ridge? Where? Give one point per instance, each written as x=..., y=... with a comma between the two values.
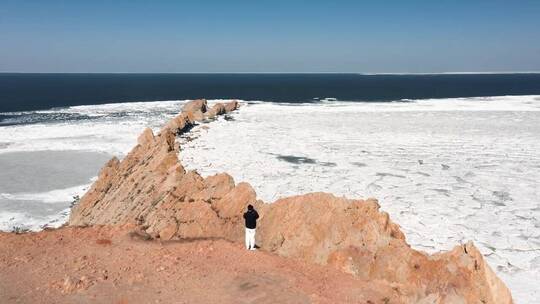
x=152, y=188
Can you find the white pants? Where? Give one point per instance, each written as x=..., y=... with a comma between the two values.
x=250, y=238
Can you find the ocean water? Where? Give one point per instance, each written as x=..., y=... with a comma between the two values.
x=24, y=92
x=447, y=166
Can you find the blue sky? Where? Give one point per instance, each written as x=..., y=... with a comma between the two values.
x=269, y=36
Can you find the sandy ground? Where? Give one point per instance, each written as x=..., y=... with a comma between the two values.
x=110, y=265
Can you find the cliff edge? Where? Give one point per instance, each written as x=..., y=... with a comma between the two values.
x=151, y=189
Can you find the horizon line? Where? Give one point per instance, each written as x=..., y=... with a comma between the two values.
x=349, y=73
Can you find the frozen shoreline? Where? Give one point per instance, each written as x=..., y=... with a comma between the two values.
x=447, y=173
x=49, y=156
x=37, y=188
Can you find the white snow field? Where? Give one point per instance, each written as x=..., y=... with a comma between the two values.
x=447, y=170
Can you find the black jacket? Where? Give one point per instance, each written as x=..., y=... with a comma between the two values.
x=251, y=219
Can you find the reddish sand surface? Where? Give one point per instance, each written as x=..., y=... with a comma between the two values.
x=112, y=265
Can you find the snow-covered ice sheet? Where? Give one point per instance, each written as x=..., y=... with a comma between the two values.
x=447, y=170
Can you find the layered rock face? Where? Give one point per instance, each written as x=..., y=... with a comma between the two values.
x=151, y=187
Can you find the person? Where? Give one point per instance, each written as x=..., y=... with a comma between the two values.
x=251, y=217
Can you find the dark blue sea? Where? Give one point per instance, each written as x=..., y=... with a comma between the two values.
x=24, y=92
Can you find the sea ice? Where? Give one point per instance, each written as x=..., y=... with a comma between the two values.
x=446, y=170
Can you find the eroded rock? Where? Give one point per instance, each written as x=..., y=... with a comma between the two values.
x=351, y=235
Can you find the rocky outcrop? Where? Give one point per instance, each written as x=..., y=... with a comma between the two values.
x=151, y=187
x=354, y=236
x=150, y=184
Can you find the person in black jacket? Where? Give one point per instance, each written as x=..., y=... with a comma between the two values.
x=251, y=217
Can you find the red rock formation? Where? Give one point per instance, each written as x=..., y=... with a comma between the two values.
x=151, y=185
x=354, y=236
